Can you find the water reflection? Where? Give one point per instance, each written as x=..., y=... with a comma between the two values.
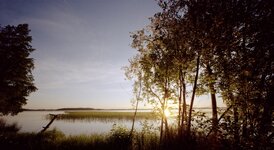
x=34, y=121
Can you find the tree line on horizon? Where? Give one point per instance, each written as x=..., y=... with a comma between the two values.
x=197, y=47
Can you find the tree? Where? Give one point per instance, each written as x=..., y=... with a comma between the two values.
x=243, y=57
x=227, y=46
x=16, y=79
x=134, y=72
x=155, y=70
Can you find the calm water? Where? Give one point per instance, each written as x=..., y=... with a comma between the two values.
x=34, y=121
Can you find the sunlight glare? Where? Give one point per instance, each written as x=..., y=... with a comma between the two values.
x=167, y=113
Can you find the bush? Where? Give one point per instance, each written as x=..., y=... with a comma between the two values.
x=120, y=137
x=8, y=128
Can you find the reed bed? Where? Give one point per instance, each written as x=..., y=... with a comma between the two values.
x=104, y=116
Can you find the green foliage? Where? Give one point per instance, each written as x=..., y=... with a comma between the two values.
x=201, y=123
x=120, y=137
x=148, y=138
x=236, y=61
x=53, y=135
x=16, y=80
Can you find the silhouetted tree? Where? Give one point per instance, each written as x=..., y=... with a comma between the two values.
x=16, y=79
x=228, y=47
x=154, y=64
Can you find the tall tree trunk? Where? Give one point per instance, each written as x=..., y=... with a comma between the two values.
x=161, y=128
x=268, y=104
x=236, y=126
x=166, y=128
x=267, y=117
x=136, y=107
x=180, y=115
x=166, y=96
x=164, y=124
x=244, y=124
x=184, y=107
x=214, y=111
x=224, y=113
x=213, y=101
x=134, y=117
x=164, y=115
x=193, y=95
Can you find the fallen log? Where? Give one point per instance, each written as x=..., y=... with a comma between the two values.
x=48, y=125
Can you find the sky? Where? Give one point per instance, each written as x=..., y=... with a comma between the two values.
x=81, y=47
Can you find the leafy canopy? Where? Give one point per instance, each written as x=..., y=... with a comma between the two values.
x=16, y=79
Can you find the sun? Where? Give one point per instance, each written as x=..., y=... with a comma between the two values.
x=167, y=112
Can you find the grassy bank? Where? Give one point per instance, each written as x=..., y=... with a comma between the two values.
x=102, y=115
x=117, y=139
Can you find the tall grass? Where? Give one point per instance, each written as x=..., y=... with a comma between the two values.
x=118, y=139
x=105, y=116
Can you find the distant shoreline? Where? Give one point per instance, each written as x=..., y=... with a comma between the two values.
x=66, y=109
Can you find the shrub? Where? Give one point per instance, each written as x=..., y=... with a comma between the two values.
x=120, y=137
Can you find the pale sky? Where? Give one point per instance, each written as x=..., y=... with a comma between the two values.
x=81, y=46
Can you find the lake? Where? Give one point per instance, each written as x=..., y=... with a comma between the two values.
x=34, y=121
